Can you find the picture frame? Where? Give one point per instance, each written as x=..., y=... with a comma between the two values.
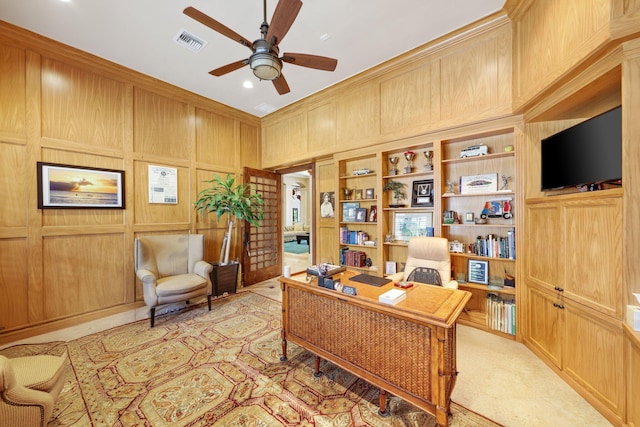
x=369, y=193
x=469, y=218
x=407, y=225
x=349, y=211
x=63, y=186
x=478, y=184
x=327, y=204
x=422, y=193
x=361, y=214
x=357, y=194
x=390, y=267
x=373, y=214
x=478, y=271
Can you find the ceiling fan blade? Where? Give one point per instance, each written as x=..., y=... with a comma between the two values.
x=228, y=68
x=310, y=61
x=281, y=85
x=283, y=17
x=215, y=25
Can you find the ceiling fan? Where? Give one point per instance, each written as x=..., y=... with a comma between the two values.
x=264, y=60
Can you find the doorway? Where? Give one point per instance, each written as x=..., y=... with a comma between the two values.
x=298, y=207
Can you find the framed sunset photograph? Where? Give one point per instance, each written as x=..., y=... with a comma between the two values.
x=68, y=187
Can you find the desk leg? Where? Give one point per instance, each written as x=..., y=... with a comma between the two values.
x=283, y=358
x=382, y=411
x=317, y=373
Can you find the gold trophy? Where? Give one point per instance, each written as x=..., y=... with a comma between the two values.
x=409, y=155
x=428, y=154
x=394, y=161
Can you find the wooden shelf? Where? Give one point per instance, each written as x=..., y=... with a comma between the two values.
x=506, y=290
x=479, y=158
x=364, y=175
x=480, y=225
x=474, y=256
x=491, y=194
x=409, y=175
x=410, y=209
x=358, y=246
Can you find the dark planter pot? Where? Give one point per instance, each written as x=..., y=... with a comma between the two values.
x=224, y=278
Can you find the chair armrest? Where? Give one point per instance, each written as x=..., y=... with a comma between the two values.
x=203, y=268
x=39, y=404
x=451, y=285
x=396, y=277
x=147, y=277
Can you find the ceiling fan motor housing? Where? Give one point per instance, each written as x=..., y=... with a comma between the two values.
x=264, y=61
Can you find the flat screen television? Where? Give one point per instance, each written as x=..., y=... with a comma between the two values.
x=587, y=153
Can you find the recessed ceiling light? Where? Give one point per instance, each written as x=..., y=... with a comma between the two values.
x=247, y=84
x=65, y=1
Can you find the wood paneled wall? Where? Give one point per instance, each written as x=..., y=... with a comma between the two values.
x=460, y=79
x=60, y=105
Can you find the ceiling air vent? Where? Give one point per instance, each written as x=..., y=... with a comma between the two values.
x=265, y=108
x=189, y=41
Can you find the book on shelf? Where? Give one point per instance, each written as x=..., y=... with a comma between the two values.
x=393, y=296
x=501, y=314
x=494, y=246
x=353, y=258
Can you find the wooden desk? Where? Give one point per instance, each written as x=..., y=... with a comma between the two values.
x=408, y=349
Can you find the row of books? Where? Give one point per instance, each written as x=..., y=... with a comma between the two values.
x=496, y=246
x=350, y=237
x=501, y=314
x=353, y=258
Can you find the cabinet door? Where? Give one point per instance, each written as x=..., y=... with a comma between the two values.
x=593, y=354
x=544, y=324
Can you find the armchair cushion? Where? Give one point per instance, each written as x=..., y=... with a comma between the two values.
x=180, y=284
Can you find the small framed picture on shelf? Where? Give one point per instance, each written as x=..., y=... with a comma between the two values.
x=422, y=194
x=373, y=214
x=349, y=211
x=390, y=267
x=358, y=194
x=479, y=271
x=469, y=218
x=368, y=193
x=407, y=225
x=361, y=214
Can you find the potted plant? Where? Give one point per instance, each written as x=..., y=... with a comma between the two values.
x=398, y=192
x=239, y=203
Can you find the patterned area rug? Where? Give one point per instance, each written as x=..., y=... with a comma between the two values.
x=222, y=368
x=295, y=248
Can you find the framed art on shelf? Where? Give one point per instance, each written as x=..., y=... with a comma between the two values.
x=358, y=194
x=349, y=211
x=71, y=187
x=368, y=193
x=422, y=193
x=408, y=225
x=479, y=271
x=361, y=214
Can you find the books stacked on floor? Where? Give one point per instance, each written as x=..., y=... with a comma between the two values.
x=350, y=237
x=353, y=258
x=496, y=246
x=501, y=314
x=393, y=296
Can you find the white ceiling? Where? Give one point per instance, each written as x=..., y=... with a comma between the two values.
x=139, y=35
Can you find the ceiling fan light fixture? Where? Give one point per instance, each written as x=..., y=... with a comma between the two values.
x=265, y=66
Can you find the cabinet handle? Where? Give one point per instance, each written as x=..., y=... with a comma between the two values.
x=559, y=289
x=560, y=306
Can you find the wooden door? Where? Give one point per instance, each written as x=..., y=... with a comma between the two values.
x=261, y=257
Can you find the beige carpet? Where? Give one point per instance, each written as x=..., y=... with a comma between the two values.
x=201, y=368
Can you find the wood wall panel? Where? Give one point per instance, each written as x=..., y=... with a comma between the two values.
x=287, y=141
x=358, y=115
x=406, y=100
x=13, y=90
x=322, y=128
x=632, y=350
x=543, y=227
x=13, y=185
x=216, y=140
x=14, y=296
x=551, y=37
x=326, y=228
x=250, y=147
x=593, y=232
x=625, y=19
x=73, y=97
x=162, y=126
x=160, y=213
x=475, y=82
x=83, y=273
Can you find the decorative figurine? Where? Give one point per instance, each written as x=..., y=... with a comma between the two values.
x=428, y=154
x=347, y=193
x=394, y=161
x=409, y=155
x=505, y=183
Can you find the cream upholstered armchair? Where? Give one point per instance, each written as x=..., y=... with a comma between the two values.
x=172, y=269
x=429, y=252
x=29, y=387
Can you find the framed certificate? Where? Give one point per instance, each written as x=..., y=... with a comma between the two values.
x=479, y=271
